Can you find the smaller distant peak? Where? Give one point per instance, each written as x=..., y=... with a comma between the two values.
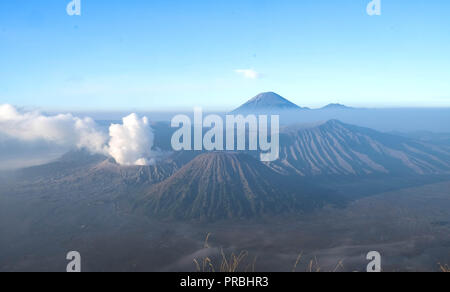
x=335, y=106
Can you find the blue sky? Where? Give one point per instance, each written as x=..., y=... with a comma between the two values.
x=173, y=54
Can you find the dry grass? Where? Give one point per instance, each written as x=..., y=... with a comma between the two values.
x=236, y=263
x=444, y=268
x=313, y=265
x=226, y=264
x=241, y=262
x=297, y=262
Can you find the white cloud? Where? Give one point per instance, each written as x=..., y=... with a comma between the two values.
x=32, y=136
x=131, y=143
x=248, y=73
x=62, y=130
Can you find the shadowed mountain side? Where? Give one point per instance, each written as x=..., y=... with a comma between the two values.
x=225, y=186
x=80, y=170
x=66, y=165
x=441, y=139
x=335, y=148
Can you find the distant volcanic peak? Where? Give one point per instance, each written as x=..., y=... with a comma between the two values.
x=267, y=101
x=271, y=99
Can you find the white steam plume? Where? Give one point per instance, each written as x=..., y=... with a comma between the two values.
x=132, y=142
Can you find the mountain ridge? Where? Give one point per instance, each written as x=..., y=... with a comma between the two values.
x=336, y=148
